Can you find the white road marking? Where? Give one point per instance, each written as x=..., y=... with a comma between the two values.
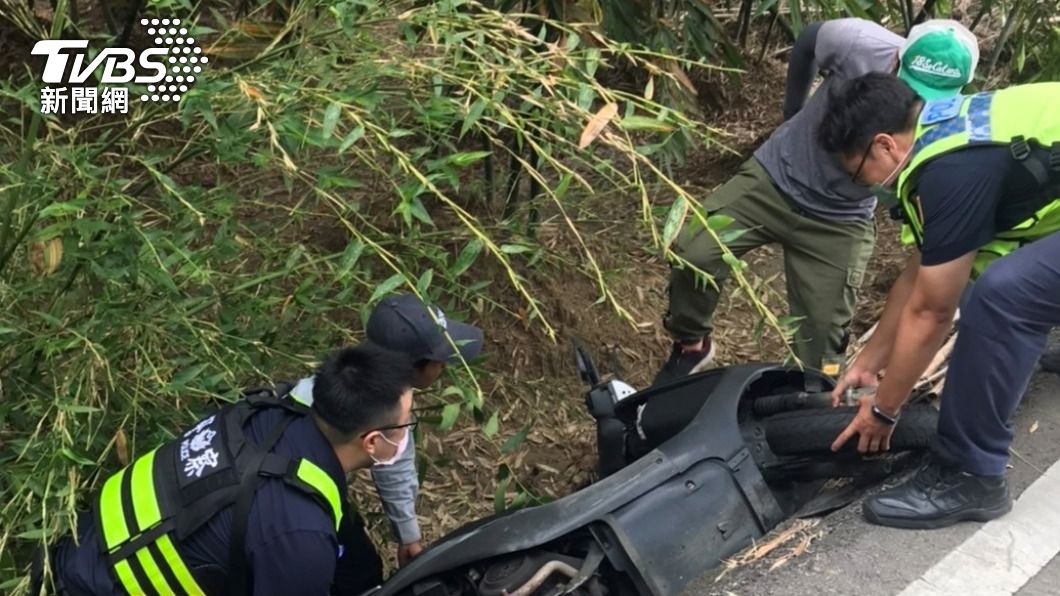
x=1005, y=553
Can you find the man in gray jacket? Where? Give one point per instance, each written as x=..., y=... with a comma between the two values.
x=794, y=194
x=401, y=323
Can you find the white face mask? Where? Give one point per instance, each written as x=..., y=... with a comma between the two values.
x=891, y=178
x=885, y=191
x=400, y=445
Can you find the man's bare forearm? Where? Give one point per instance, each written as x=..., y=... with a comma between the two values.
x=877, y=353
x=918, y=338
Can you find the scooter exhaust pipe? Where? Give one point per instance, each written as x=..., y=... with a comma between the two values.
x=543, y=574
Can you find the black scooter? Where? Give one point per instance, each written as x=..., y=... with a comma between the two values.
x=691, y=472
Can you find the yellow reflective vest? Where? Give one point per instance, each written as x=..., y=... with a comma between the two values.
x=1019, y=117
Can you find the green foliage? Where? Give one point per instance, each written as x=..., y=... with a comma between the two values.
x=154, y=264
x=1035, y=43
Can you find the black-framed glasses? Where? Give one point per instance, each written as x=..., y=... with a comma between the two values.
x=861, y=165
x=411, y=425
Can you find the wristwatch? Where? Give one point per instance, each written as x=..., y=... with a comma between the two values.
x=884, y=417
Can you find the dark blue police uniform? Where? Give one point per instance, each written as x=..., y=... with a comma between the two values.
x=291, y=542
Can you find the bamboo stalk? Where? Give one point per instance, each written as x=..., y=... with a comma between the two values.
x=941, y=357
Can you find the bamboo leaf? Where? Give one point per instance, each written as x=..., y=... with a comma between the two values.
x=728, y=236
x=121, y=447
x=77, y=459
x=674, y=218
x=492, y=426
x=515, y=440
x=424, y=281
x=386, y=287
x=679, y=74
x=36, y=534
x=597, y=124
x=466, y=257
x=60, y=209
x=449, y=415
x=351, y=138
x=642, y=123
x=563, y=186
x=462, y=160
x=514, y=249
x=473, y=115
x=185, y=375
x=331, y=119
x=719, y=221
x=47, y=255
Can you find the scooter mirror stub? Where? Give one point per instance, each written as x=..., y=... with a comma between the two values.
x=620, y=390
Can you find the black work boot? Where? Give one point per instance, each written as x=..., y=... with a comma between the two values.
x=938, y=496
x=684, y=361
x=1050, y=361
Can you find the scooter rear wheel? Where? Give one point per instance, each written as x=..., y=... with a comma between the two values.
x=812, y=431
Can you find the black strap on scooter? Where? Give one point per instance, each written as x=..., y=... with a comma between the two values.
x=252, y=479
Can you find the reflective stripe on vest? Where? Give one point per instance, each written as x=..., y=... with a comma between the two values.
x=318, y=480
x=138, y=535
x=996, y=118
x=157, y=562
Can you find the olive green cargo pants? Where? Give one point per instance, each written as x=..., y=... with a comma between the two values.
x=824, y=262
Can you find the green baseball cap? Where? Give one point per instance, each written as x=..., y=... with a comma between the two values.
x=939, y=58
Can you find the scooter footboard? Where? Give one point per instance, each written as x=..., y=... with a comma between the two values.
x=681, y=529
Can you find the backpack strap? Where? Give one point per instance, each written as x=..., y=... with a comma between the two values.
x=1046, y=171
x=248, y=485
x=1021, y=152
x=275, y=397
x=1054, y=167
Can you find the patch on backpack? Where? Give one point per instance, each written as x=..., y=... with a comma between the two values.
x=200, y=452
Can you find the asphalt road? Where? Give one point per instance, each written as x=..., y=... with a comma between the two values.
x=851, y=557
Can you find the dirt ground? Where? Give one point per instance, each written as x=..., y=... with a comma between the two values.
x=531, y=380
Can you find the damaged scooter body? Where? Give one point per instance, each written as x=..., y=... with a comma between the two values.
x=661, y=521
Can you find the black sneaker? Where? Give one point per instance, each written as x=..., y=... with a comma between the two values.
x=683, y=362
x=939, y=496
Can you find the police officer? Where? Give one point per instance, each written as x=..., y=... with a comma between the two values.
x=977, y=179
x=248, y=500
x=429, y=340
x=794, y=194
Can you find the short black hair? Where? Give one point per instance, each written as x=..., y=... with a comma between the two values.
x=864, y=107
x=360, y=388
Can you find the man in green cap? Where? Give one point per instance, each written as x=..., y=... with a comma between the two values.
x=793, y=193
